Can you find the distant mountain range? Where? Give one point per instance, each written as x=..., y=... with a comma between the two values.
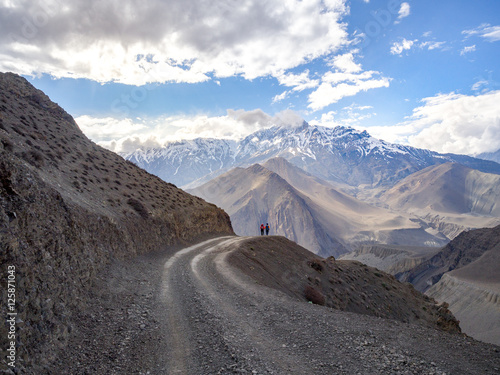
x=493, y=156
x=341, y=154
x=331, y=189
x=308, y=210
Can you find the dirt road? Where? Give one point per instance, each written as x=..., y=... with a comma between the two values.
x=191, y=313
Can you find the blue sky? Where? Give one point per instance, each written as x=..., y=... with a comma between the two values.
x=424, y=73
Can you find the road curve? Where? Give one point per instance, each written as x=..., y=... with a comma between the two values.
x=191, y=312
x=224, y=330
x=219, y=321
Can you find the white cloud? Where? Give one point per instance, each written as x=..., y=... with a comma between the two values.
x=281, y=97
x=404, y=11
x=130, y=134
x=480, y=85
x=467, y=49
x=345, y=63
x=450, y=123
x=299, y=82
x=398, y=47
x=347, y=116
x=136, y=42
x=432, y=45
x=336, y=86
x=101, y=129
x=490, y=33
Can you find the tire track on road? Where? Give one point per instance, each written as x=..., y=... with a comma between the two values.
x=245, y=305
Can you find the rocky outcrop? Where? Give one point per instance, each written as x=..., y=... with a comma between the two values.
x=67, y=208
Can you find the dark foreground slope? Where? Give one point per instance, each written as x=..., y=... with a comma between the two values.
x=345, y=285
x=68, y=207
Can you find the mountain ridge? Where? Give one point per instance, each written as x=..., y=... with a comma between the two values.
x=340, y=154
x=298, y=204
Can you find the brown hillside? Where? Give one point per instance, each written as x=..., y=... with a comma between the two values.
x=68, y=207
x=346, y=285
x=255, y=195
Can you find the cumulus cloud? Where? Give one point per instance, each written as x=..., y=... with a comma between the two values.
x=136, y=42
x=280, y=97
x=101, y=129
x=351, y=116
x=398, y=47
x=130, y=134
x=299, y=82
x=490, y=33
x=404, y=11
x=450, y=123
x=345, y=63
x=458, y=123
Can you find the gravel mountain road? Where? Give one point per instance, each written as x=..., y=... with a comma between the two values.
x=192, y=313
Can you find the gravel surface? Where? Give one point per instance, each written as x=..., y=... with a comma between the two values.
x=191, y=313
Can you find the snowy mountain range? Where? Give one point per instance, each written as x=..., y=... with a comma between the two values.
x=341, y=154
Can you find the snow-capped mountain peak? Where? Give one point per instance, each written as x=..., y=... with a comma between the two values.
x=341, y=154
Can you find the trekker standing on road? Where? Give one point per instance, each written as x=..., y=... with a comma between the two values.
x=261, y=229
x=267, y=229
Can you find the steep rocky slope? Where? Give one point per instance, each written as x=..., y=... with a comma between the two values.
x=475, y=305
x=473, y=289
x=68, y=207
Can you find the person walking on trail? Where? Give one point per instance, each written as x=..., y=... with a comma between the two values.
x=261, y=229
x=267, y=229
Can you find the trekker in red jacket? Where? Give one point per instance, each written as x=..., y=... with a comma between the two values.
x=262, y=229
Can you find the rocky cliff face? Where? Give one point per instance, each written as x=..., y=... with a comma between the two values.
x=68, y=207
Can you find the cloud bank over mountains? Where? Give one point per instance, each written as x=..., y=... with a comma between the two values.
x=445, y=123
x=450, y=123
